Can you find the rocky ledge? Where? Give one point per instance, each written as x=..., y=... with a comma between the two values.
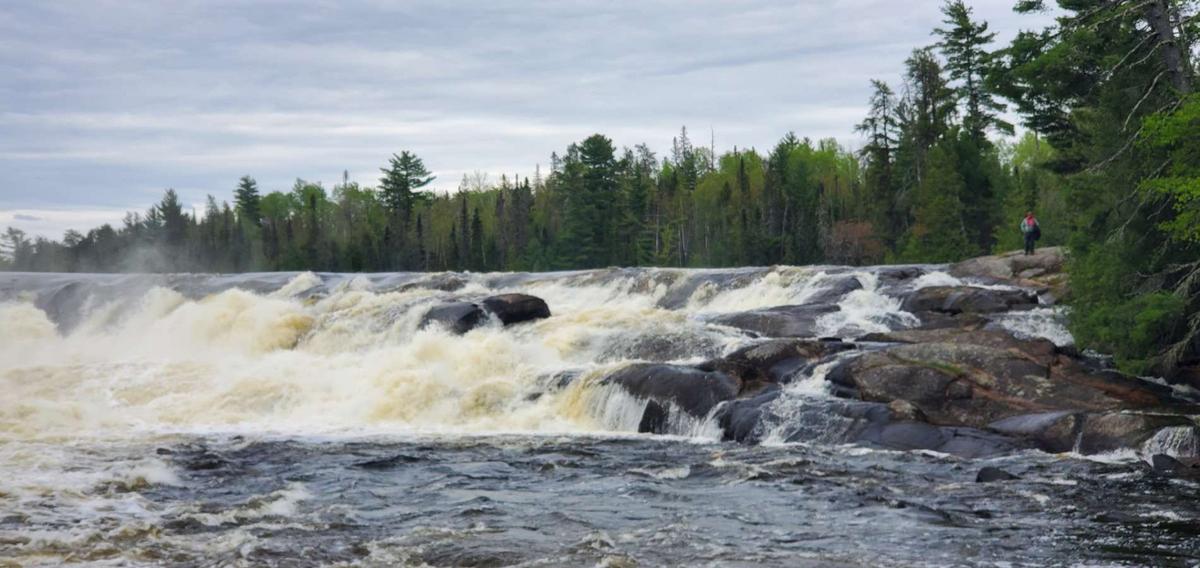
x=951, y=382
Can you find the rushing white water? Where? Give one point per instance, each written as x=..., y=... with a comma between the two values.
x=344, y=353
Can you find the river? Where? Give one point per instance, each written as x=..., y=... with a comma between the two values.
x=310, y=419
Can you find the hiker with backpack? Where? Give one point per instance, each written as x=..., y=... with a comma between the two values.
x=1031, y=230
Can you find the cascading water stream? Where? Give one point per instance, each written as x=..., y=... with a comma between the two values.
x=312, y=419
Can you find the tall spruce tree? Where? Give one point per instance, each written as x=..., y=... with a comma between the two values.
x=402, y=179
x=247, y=201
x=963, y=44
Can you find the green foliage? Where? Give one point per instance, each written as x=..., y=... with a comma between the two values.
x=963, y=45
x=404, y=176
x=247, y=201
x=938, y=233
x=1177, y=134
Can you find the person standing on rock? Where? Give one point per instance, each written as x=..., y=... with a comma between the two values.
x=1031, y=230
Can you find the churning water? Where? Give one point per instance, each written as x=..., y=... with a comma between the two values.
x=304, y=419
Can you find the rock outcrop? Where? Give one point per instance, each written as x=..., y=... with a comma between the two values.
x=955, y=300
x=1041, y=271
x=456, y=317
x=780, y=321
x=461, y=317
x=516, y=308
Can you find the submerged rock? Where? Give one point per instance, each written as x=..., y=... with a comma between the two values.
x=989, y=474
x=780, y=321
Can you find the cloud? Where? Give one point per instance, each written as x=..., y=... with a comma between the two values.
x=106, y=102
x=24, y=217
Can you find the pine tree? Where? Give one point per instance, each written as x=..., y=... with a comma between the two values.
x=963, y=45
x=247, y=200
x=404, y=176
x=938, y=234
x=882, y=128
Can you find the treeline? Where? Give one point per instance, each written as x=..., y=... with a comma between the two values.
x=1110, y=163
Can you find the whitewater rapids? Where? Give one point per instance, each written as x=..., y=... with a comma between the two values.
x=309, y=419
x=325, y=354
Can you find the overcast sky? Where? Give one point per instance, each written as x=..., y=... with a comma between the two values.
x=105, y=103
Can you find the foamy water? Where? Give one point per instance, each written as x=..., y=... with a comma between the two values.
x=307, y=419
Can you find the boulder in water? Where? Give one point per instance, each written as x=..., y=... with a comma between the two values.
x=456, y=317
x=516, y=308
x=968, y=299
x=774, y=361
x=989, y=474
x=1040, y=350
x=834, y=289
x=974, y=385
x=688, y=389
x=461, y=317
x=780, y=321
x=741, y=419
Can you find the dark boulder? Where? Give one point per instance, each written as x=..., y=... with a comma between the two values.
x=444, y=281
x=1109, y=431
x=871, y=424
x=1098, y=432
x=942, y=320
x=456, y=317
x=974, y=385
x=1187, y=374
x=655, y=344
x=834, y=288
x=990, y=474
x=741, y=420
x=1164, y=464
x=461, y=317
x=907, y=435
x=774, y=361
x=688, y=389
x=896, y=275
x=1054, y=432
x=968, y=299
x=1039, y=350
x=516, y=308
x=1048, y=260
x=780, y=321
x=684, y=285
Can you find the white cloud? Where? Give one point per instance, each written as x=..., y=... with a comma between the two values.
x=107, y=102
